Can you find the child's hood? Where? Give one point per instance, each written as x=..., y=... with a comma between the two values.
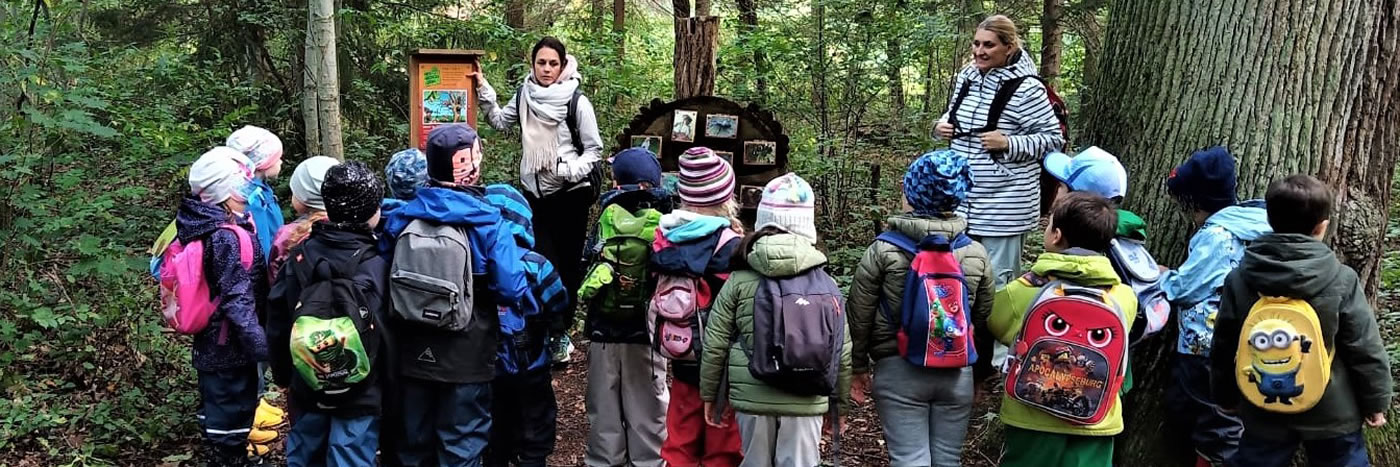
x=443, y=205
x=784, y=255
x=918, y=227
x=1077, y=265
x=684, y=226
x=1246, y=221
x=196, y=219
x=1290, y=265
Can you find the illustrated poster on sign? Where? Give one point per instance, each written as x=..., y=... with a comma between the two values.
x=444, y=99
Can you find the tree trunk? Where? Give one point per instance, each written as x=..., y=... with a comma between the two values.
x=1050, y=32
x=1292, y=87
x=619, y=28
x=515, y=18
x=321, y=89
x=748, y=15
x=697, y=40
x=894, y=64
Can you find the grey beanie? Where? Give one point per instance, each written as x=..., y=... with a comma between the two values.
x=306, y=181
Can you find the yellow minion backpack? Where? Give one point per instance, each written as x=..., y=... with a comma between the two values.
x=1282, y=363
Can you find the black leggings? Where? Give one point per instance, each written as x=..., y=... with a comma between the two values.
x=561, y=229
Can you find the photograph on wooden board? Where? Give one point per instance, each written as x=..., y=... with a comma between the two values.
x=760, y=153
x=750, y=195
x=727, y=156
x=446, y=106
x=683, y=126
x=722, y=126
x=649, y=142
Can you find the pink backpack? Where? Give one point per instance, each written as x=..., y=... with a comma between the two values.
x=674, y=311
x=185, y=299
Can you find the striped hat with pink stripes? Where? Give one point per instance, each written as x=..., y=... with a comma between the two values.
x=706, y=179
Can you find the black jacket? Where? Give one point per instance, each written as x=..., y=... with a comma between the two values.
x=336, y=244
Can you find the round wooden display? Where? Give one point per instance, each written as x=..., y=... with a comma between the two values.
x=749, y=136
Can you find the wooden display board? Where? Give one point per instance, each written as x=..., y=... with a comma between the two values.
x=749, y=137
x=439, y=90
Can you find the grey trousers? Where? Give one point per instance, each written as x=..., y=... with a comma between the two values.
x=771, y=441
x=924, y=412
x=1004, y=252
x=627, y=399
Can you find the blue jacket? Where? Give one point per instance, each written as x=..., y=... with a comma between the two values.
x=1215, y=250
x=234, y=337
x=494, y=252
x=386, y=209
x=266, y=213
x=526, y=329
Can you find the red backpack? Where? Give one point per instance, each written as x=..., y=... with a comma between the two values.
x=935, y=322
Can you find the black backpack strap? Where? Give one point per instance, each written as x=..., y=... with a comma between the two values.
x=957, y=102
x=571, y=120
x=1001, y=100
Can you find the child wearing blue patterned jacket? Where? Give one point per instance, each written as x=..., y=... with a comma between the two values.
x=1205, y=186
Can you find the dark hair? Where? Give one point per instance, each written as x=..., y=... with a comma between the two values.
x=1085, y=220
x=1297, y=204
x=553, y=43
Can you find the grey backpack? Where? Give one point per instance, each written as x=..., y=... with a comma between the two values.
x=798, y=333
x=430, y=281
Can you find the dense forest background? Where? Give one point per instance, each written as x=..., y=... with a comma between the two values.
x=104, y=103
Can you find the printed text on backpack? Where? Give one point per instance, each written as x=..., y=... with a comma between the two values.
x=1283, y=364
x=935, y=329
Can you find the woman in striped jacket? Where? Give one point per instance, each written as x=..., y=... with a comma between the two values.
x=1004, y=202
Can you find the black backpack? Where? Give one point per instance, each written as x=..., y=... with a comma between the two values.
x=334, y=339
x=1048, y=183
x=798, y=333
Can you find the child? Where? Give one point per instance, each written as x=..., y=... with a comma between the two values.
x=1080, y=229
x=308, y=205
x=777, y=427
x=446, y=374
x=924, y=411
x=692, y=242
x=330, y=429
x=406, y=172
x=627, y=394
x=264, y=151
x=1293, y=262
x=523, y=409
x=226, y=352
x=1205, y=186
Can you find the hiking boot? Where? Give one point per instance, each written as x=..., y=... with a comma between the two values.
x=259, y=436
x=267, y=416
x=560, y=350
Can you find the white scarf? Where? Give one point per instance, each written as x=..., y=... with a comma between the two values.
x=542, y=110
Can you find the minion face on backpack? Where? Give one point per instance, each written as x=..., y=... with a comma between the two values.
x=1282, y=363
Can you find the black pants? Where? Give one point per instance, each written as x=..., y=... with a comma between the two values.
x=525, y=414
x=561, y=229
x=228, y=400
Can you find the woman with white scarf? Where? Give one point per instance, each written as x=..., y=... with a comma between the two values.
x=553, y=167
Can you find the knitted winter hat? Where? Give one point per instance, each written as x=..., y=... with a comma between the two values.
x=263, y=148
x=220, y=174
x=306, y=181
x=706, y=179
x=454, y=154
x=515, y=210
x=633, y=166
x=1205, y=181
x=937, y=182
x=788, y=204
x=406, y=172
x=352, y=193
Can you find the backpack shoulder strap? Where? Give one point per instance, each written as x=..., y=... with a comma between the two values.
x=1003, y=98
x=961, y=240
x=245, y=244
x=900, y=241
x=957, y=102
x=571, y=119
x=1035, y=280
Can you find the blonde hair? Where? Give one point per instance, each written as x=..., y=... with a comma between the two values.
x=301, y=228
x=728, y=210
x=1004, y=28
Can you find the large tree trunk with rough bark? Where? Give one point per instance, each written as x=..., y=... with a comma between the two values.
x=1290, y=87
x=321, y=83
x=619, y=28
x=697, y=42
x=1051, y=31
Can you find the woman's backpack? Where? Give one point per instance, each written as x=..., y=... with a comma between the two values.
x=1283, y=364
x=935, y=326
x=186, y=301
x=334, y=342
x=798, y=333
x=1071, y=355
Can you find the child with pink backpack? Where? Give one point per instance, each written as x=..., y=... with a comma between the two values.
x=212, y=284
x=691, y=255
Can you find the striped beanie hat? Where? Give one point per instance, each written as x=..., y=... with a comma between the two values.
x=788, y=204
x=706, y=179
x=515, y=211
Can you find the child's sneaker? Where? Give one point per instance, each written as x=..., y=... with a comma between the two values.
x=560, y=350
x=267, y=416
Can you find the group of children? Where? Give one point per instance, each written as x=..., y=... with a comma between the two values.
x=415, y=330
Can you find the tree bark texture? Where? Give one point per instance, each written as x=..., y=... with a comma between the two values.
x=697, y=42
x=619, y=27
x=1051, y=31
x=515, y=18
x=321, y=88
x=1289, y=87
x=894, y=65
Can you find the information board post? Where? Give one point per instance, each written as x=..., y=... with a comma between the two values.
x=440, y=90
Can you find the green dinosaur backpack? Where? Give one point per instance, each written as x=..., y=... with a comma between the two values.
x=626, y=249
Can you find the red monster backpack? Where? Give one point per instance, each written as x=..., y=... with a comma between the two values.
x=1070, y=356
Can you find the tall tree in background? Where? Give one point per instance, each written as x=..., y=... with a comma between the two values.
x=619, y=28
x=748, y=17
x=697, y=41
x=321, y=83
x=1289, y=87
x=1051, y=31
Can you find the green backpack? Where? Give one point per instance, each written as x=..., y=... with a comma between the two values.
x=625, y=251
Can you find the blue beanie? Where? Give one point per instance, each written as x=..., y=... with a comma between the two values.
x=632, y=166
x=515, y=210
x=1206, y=181
x=407, y=170
x=937, y=182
